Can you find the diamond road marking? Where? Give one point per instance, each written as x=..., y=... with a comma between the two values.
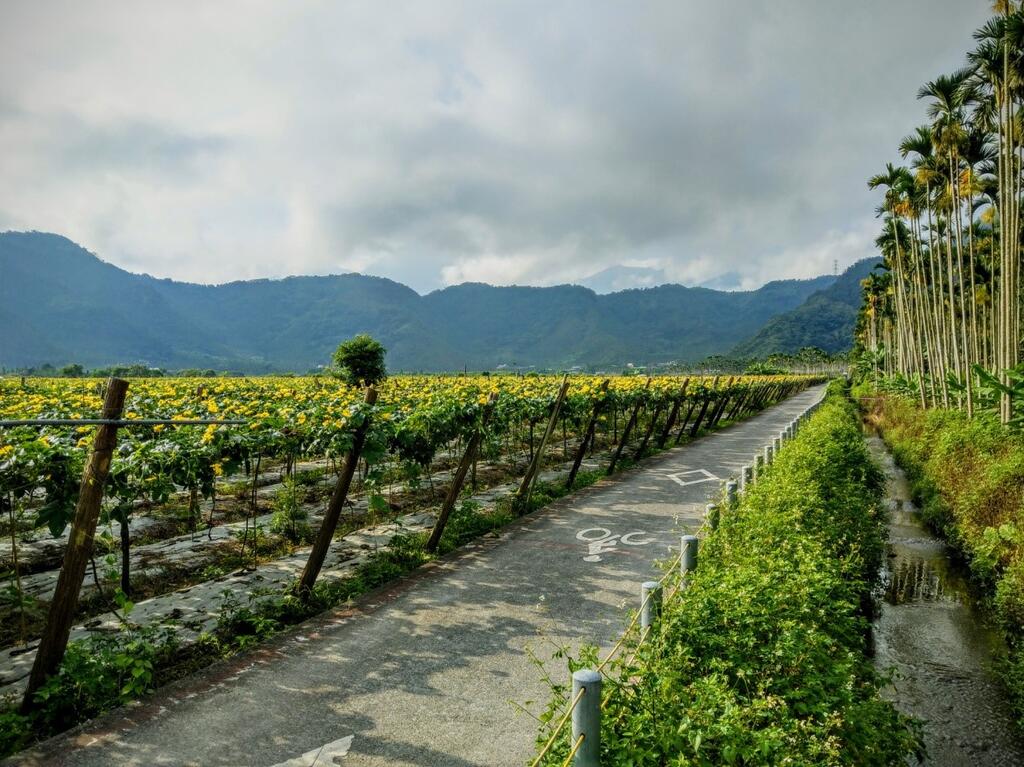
x=696, y=477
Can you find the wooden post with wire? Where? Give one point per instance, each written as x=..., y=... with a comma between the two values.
x=630, y=425
x=62, y=609
x=588, y=434
x=672, y=416
x=522, y=497
x=686, y=420
x=334, y=507
x=460, y=476
x=650, y=430
x=704, y=408
x=716, y=411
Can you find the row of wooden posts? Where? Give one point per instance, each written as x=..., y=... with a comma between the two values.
x=64, y=604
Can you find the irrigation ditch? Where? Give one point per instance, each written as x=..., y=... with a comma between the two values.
x=934, y=637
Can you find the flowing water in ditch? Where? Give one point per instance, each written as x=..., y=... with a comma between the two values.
x=940, y=647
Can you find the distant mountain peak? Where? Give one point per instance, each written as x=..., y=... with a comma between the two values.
x=620, y=277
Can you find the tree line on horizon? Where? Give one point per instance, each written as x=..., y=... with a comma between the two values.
x=807, y=360
x=944, y=312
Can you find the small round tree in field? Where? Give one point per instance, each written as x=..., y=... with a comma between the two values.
x=360, y=361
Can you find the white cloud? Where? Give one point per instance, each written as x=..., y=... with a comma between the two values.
x=528, y=142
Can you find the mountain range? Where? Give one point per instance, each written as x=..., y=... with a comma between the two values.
x=61, y=304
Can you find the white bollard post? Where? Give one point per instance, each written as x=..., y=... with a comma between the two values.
x=688, y=560
x=711, y=515
x=768, y=455
x=586, y=717
x=650, y=603
x=732, y=489
x=746, y=478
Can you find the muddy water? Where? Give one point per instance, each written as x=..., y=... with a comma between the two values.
x=939, y=647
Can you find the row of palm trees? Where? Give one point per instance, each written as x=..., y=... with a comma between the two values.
x=945, y=313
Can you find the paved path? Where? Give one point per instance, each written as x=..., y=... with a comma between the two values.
x=423, y=673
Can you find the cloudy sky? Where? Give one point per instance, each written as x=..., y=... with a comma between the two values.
x=439, y=142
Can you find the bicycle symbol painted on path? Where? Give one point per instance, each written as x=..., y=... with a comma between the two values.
x=600, y=541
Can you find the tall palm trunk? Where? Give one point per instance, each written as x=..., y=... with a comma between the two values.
x=964, y=349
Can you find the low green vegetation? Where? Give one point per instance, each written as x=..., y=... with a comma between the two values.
x=763, y=658
x=106, y=671
x=967, y=476
x=290, y=517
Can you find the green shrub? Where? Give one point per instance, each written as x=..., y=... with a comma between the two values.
x=97, y=674
x=360, y=361
x=290, y=518
x=762, y=660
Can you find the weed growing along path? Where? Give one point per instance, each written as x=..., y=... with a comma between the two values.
x=424, y=672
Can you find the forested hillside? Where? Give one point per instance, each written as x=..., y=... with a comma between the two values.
x=61, y=304
x=825, y=320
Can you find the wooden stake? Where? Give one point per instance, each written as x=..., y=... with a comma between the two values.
x=522, y=498
x=61, y=614
x=335, y=506
x=682, y=428
x=650, y=430
x=626, y=432
x=672, y=416
x=704, y=407
x=588, y=435
x=738, y=407
x=468, y=459
x=716, y=415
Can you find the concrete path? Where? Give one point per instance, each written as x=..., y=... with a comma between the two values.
x=425, y=672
